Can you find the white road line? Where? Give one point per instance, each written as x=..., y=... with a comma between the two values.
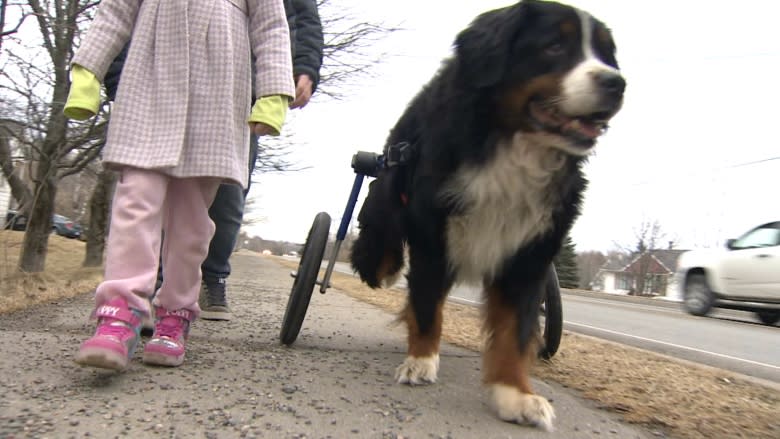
x=466, y=301
x=629, y=305
x=770, y=366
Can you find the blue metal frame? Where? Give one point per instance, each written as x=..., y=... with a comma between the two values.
x=342, y=232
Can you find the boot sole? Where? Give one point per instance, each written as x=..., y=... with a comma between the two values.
x=101, y=358
x=215, y=315
x=159, y=359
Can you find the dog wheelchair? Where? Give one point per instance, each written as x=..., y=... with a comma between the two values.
x=367, y=164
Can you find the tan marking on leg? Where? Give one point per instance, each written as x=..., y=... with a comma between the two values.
x=384, y=273
x=507, y=368
x=423, y=345
x=421, y=365
x=504, y=363
x=383, y=269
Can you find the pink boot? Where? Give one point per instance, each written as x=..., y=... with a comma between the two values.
x=117, y=334
x=166, y=348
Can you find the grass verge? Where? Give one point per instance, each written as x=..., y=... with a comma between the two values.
x=62, y=277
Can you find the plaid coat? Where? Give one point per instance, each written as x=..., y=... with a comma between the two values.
x=184, y=99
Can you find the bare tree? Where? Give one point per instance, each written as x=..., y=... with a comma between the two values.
x=34, y=85
x=348, y=52
x=348, y=57
x=99, y=207
x=648, y=236
x=588, y=265
x=19, y=188
x=34, y=89
x=8, y=29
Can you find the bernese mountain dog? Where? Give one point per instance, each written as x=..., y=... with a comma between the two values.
x=495, y=142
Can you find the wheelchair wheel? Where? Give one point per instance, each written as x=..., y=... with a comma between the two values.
x=553, y=316
x=305, y=278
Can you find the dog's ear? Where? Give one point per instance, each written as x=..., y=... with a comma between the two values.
x=483, y=49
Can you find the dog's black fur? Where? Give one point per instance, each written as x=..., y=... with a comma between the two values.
x=475, y=112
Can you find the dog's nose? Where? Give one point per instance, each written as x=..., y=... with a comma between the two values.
x=611, y=83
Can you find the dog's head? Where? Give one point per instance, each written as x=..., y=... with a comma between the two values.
x=549, y=68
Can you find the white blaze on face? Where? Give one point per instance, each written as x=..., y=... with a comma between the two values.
x=580, y=91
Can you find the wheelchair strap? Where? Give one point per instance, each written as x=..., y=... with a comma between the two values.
x=398, y=154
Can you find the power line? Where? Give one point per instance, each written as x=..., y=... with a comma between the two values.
x=710, y=170
x=754, y=162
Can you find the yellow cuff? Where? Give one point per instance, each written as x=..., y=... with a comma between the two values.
x=270, y=110
x=84, y=96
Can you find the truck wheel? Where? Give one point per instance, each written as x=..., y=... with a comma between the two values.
x=698, y=298
x=768, y=317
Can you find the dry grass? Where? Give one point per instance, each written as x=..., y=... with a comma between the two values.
x=63, y=276
x=684, y=399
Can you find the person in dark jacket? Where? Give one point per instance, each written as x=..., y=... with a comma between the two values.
x=227, y=210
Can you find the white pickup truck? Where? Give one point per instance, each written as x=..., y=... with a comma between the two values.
x=745, y=275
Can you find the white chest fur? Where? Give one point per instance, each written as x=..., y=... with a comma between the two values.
x=505, y=204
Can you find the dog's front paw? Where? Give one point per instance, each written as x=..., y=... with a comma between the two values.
x=418, y=370
x=522, y=408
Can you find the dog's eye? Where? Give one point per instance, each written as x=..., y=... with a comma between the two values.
x=555, y=49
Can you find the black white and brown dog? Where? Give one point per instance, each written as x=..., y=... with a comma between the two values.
x=498, y=139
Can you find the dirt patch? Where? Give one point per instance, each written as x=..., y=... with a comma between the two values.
x=683, y=399
x=63, y=276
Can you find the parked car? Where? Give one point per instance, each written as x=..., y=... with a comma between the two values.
x=744, y=276
x=65, y=227
x=15, y=221
x=61, y=225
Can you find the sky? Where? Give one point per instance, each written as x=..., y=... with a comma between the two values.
x=694, y=147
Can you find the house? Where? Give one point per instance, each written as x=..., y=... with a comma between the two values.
x=5, y=196
x=8, y=129
x=621, y=273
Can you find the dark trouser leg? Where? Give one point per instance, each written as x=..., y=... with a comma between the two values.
x=227, y=212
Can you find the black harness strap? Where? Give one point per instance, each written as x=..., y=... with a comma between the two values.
x=400, y=155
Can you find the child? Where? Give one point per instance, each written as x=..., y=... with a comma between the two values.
x=178, y=129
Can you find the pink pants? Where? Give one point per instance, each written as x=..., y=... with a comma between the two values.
x=146, y=203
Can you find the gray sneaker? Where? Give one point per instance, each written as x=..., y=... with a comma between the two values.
x=212, y=301
x=147, y=323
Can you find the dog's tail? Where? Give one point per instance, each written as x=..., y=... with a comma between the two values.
x=378, y=253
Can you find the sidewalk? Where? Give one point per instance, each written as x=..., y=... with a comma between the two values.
x=237, y=381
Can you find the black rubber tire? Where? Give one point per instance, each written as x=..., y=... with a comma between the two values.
x=698, y=298
x=306, y=278
x=768, y=317
x=553, y=316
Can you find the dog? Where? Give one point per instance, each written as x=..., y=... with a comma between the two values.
x=496, y=142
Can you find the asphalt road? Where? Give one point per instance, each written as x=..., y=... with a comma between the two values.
x=730, y=340
x=726, y=340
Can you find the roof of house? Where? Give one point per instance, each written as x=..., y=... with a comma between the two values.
x=668, y=258
x=663, y=262
x=616, y=262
